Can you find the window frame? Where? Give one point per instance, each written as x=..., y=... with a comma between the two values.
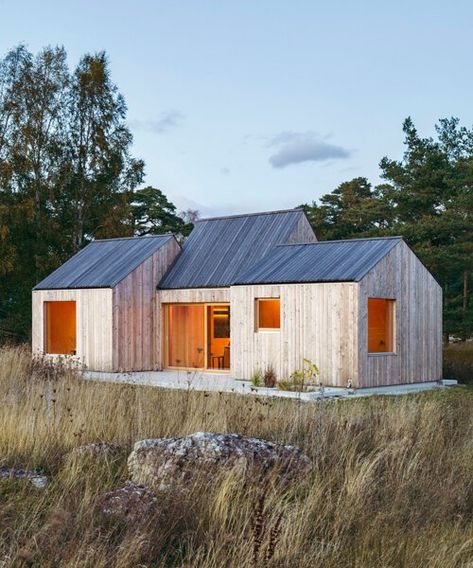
x=47, y=323
x=392, y=303
x=258, y=328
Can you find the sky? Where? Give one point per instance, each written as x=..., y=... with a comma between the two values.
x=239, y=106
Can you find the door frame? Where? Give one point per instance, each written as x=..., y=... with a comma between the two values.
x=165, y=338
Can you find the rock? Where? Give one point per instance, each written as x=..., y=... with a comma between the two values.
x=131, y=503
x=166, y=462
x=98, y=449
x=37, y=479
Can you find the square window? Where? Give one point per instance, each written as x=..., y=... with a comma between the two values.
x=381, y=325
x=268, y=313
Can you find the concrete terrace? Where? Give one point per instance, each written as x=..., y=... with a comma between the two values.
x=214, y=382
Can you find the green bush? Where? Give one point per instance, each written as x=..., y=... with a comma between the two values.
x=257, y=378
x=458, y=362
x=301, y=379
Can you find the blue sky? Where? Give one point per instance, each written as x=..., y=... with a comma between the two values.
x=242, y=106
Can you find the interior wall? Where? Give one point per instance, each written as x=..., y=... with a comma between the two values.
x=93, y=324
x=185, y=327
x=402, y=277
x=60, y=328
x=318, y=322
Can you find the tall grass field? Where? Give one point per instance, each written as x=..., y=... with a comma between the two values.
x=391, y=484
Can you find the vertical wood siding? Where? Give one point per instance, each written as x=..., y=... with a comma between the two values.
x=94, y=324
x=318, y=322
x=302, y=233
x=418, y=321
x=136, y=314
x=195, y=296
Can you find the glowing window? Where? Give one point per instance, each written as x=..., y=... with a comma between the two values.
x=60, y=328
x=268, y=313
x=381, y=325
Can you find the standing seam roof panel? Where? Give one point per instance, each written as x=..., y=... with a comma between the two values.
x=219, y=249
x=103, y=264
x=325, y=261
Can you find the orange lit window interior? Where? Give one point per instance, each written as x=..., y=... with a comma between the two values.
x=60, y=328
x=380, y=325
x=269, y=313
x=186, y=335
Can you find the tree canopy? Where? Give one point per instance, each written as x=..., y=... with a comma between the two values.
x=67, y=175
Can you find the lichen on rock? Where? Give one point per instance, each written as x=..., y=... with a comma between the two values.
x=167, y=463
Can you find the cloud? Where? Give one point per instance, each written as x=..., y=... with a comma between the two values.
x=166, y=121
x=297, y=147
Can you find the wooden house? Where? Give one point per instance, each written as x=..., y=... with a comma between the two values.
x=246, y=292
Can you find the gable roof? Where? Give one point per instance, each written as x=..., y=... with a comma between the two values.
x=324, y=261
x=103, y=263
x=220, y=249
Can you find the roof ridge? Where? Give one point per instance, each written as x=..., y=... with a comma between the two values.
x=340, y=241
x=239, y=215
x=132, y=238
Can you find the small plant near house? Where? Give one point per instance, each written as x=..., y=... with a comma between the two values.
x=269, y=377
x=257, y=378
x=302, y=379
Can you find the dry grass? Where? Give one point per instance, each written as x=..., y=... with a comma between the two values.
x=391, y=486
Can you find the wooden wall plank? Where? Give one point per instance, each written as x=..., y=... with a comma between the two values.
x=94, y=324
x=136, y=313
x=418, y=320
x=318, y=322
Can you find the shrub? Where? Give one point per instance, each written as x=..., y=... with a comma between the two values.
x=458, y=362
x=269, y=377
x=257, y=378
x=302, y=378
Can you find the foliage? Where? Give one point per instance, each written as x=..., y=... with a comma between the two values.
x=389, y=487
x=153, y=214
x=427, y=197
x=458, y=362
x=269, y=377
x=301, y=379
x=66, y=172
x=257, y=378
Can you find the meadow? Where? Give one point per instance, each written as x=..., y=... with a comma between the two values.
x=391, y=484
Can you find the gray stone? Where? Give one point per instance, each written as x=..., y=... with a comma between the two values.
x=37, y=479
x=168, y=463
x=131, y=503
x=98, y=449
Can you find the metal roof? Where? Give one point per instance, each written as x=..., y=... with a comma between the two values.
x=324, y=261
x=103, y=263
x=220, y=249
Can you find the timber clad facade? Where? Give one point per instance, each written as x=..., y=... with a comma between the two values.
x=244, y=293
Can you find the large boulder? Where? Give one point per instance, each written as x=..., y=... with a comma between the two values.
x=130, y=503
x=167, y=463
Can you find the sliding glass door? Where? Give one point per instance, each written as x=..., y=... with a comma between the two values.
x=186, y=337
x=197, y=336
